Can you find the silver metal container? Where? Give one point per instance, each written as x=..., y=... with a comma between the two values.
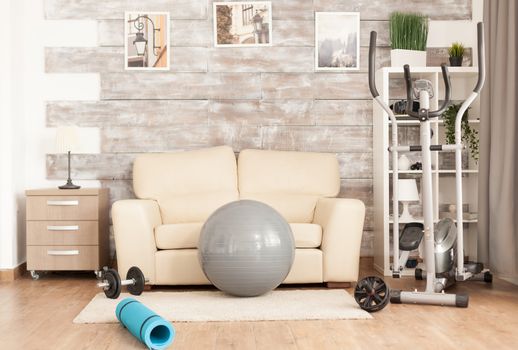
x=445, y=242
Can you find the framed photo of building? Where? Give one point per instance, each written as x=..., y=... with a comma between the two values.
x=242, y=23
x=337, y=41
x=146, y=40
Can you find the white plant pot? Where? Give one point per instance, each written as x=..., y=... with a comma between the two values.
x=398, y=58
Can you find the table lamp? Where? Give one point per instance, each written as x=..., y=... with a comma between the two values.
x=407, y=192
x=67, y=140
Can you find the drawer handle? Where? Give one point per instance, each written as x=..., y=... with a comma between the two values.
x=62, y=203
x=63, y=228
x=63, y=252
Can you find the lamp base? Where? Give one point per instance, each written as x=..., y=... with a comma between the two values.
x=69, y=186
x=405, y=215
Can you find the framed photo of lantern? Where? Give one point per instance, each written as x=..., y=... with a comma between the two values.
x=146, y=40
x=337, y=41
x=242, y=23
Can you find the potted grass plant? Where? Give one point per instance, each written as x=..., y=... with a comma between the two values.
x=408, y=36
x=456, y=52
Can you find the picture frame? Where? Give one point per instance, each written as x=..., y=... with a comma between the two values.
x=242, y=23
x=337, y=41
x=146, y=40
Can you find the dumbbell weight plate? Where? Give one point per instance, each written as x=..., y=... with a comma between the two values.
x=136, y=274
x=112, y=277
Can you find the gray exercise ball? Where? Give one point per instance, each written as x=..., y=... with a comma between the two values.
x=246, y=248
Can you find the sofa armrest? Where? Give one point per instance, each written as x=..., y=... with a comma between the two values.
x=342, y=228
x=134, y=221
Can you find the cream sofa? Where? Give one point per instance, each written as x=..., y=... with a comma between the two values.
x=177, y=192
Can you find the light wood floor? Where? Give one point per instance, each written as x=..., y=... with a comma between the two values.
x=38, y=315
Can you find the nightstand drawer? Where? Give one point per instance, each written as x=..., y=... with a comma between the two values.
x=62, y=208
x=62, y=257
x=62, y=233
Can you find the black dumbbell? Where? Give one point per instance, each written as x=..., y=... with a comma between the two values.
x=112, y=283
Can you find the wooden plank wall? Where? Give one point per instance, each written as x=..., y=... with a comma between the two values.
x=267, y=97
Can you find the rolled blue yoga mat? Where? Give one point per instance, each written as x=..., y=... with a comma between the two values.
x=148, y=327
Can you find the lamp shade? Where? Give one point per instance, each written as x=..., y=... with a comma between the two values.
x=67, y=139
x=407, y=190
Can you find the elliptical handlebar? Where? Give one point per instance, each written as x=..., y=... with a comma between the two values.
x=408, y=78
x=481, y=58
x=444, y=69
x=372, y=64
x=447, y=92
x=409, y=98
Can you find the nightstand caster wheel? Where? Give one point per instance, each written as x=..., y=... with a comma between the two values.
x=34, y=275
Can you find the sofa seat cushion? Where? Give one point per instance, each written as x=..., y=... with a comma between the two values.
x=186, y=236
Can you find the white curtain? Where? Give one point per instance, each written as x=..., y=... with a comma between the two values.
x=498, y=176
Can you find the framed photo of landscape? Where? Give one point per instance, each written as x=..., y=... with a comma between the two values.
x=337, y=41
x=242, y=23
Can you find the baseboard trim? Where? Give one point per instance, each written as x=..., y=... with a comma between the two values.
x=8, y=275
x=513, y=280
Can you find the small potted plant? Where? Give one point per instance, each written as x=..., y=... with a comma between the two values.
x=456, y=52
x=408, y=36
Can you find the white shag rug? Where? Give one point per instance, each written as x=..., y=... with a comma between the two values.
x=203, y=306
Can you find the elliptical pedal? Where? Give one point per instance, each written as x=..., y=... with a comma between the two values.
x=409, y=240
x=411, y=236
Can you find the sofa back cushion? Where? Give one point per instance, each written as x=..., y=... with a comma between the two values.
x=290, y=182
x=188, y=186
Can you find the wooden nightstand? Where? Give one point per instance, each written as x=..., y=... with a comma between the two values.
x=67, y=230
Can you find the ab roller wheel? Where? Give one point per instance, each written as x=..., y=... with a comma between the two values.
x=372, y=294
x=112, y=284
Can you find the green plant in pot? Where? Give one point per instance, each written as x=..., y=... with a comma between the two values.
x=456, y=52
x=408, y=36
x=469, y=134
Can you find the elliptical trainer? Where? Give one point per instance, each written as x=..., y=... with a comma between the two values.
x=443, y=253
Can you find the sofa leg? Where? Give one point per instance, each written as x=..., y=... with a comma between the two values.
x=148, y=287
x=338, y=285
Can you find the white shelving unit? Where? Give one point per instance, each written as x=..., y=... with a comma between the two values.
x=389, y=81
